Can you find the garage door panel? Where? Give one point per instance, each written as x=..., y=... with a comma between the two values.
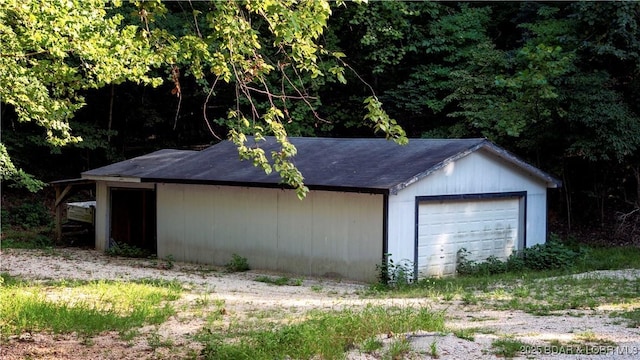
x=484, y=227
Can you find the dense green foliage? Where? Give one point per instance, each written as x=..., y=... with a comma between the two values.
x=556, y=83
x=27, y=216
x=54, y=50
x=26, y=224
x=552, y=255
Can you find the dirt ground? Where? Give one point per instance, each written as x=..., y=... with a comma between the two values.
x=243, y=296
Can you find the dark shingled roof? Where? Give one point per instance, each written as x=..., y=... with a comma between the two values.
x=141, y=166
x=374, y=165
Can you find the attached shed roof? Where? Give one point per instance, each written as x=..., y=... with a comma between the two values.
x=138, y=168
x=372, y=165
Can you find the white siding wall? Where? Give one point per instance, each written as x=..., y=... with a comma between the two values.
x=328, y=233
x=473, y=174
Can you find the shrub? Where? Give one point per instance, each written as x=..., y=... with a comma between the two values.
x=492, y=265
x=394, y=275
x=464, y=266
x=548, y=256
x=237, y=264
x=28, y=216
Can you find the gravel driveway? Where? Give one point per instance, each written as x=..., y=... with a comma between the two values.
x=242, y=295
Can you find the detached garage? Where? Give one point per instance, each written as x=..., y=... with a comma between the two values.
x=420, y=203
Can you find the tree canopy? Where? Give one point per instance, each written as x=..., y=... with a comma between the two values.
x=556, y=83
x=53, y=50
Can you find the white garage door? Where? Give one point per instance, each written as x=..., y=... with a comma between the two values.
x=484, y=227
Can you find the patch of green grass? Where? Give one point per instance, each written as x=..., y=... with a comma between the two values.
x=609, y=258
x=469, y=298
x=433, y=350
x=130, y=334
x=469, y=333
x=567, y=293
x=202, y=301
x=155, y=340
x=466, y=334
x=8, y=280
x=371, y=345
x=507, y=347
x=325, y=335
x=397, y=349
x=37, y=238
x=279, y=281
x=633, y=317
x=213, y=318
x=592, y=338
x=268, y=313
x=86, y=308
x=522, y=292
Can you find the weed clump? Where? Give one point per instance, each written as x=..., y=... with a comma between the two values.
x=237, y=264
x=394, y=275
x=127, y=250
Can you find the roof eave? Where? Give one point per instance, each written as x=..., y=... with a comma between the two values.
x=395, y=189
x=550, y=181
x=268, y=185
x=76, y=181
x=128, y=179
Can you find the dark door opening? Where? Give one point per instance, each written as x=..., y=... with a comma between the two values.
x=133, y=218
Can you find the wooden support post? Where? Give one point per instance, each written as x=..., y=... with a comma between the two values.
x=60, y=197
x=58, y=215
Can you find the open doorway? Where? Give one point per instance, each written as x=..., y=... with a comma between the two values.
x=133, y=218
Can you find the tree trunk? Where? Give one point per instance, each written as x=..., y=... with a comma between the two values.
x=636, y=173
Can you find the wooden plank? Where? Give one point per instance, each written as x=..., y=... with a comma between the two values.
x=61, y=196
